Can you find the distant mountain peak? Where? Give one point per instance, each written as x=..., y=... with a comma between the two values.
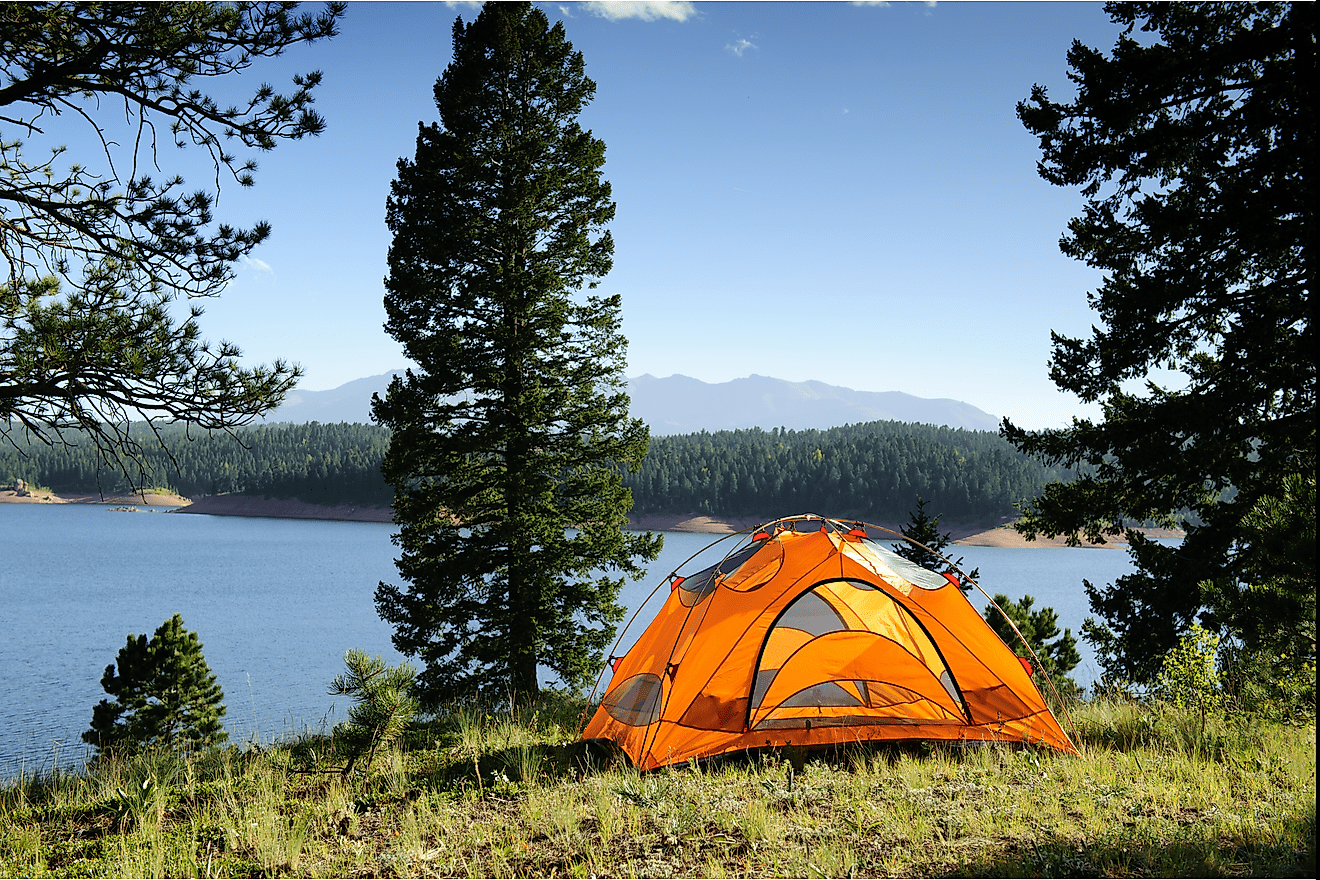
x=680, y=404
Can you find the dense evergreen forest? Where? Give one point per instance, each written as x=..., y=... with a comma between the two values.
x=321, y=464
x=871, y=471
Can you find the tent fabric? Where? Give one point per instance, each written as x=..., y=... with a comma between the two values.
x=814, y=634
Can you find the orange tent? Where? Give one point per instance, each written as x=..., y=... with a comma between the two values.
x=811, y=633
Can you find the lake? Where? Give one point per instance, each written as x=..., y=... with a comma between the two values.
x=276, y=602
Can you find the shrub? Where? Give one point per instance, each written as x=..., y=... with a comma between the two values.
x=165, y=695
x=1188, y=678
x=383, y=705
x=1269, y=684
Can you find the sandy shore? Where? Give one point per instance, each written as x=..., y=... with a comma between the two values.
x=284, y=508
x=965, y=535
x=291, y=508
x=149, y=499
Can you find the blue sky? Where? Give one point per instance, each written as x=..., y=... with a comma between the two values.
x=808, y=191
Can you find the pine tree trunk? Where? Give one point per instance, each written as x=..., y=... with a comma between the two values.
x=498, y=224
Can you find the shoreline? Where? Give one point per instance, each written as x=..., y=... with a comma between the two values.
x=974, y=535
x=145, y=499
x=284, y=508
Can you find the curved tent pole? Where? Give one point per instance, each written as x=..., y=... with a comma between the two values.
x=647, y=745
x=623, y=632
x=1048, y=680
x=837, y=523
x=753, y=529
x=669, y=578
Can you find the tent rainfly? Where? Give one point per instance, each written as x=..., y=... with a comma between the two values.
x=810, y=634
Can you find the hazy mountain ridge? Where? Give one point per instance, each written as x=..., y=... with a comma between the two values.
x=680, y=405
x=683, y=405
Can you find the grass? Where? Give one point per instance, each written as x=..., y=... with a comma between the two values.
x=500, y=794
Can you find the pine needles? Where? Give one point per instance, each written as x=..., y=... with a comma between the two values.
x=383, y=706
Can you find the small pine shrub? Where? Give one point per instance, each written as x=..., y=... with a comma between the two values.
x=1056, y=651
x=383, y=706
x=164, y=696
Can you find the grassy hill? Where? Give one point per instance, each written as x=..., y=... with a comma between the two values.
x=508, y=794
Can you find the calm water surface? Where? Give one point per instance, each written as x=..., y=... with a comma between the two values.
x=276, y=603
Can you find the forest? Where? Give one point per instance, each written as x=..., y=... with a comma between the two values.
x=872, y=471
x=320, y=464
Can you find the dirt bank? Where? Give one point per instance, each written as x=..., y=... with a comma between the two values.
x=9, y=496
x=1006, y=537
x=291, y=508
x=966, y=535
x=716, y=525
x=284, y=508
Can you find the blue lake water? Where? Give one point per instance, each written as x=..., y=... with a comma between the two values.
x=276, y=603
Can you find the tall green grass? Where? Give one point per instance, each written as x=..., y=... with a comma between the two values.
x=481, y=792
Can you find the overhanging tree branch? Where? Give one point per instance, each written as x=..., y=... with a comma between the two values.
x=94, y=257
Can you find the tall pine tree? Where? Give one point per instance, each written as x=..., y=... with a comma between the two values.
x=510, y=439
x=1193, y=144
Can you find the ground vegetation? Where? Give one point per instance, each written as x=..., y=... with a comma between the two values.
x=476, y=793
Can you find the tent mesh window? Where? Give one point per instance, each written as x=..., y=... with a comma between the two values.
x=692, y=590
x=885, y=561
x=636, y=701
x=810, y=670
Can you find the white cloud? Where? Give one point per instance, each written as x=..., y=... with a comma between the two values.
x=739, y=46
x=646, y=10
x=257, y=265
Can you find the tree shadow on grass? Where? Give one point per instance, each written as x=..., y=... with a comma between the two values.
x=530, y=763
x=1285, y=848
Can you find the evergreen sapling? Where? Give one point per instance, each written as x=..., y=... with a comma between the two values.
x=164, y=695
x=383, y=705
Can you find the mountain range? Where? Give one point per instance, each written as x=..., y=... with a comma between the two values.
x=683, y=405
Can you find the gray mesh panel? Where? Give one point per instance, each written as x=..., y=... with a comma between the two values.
x=947, y=681
x=763, y=679
x=827, y=693
x=810, y=613
x=905, y=568
x=702, y=584
x=636, y=701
